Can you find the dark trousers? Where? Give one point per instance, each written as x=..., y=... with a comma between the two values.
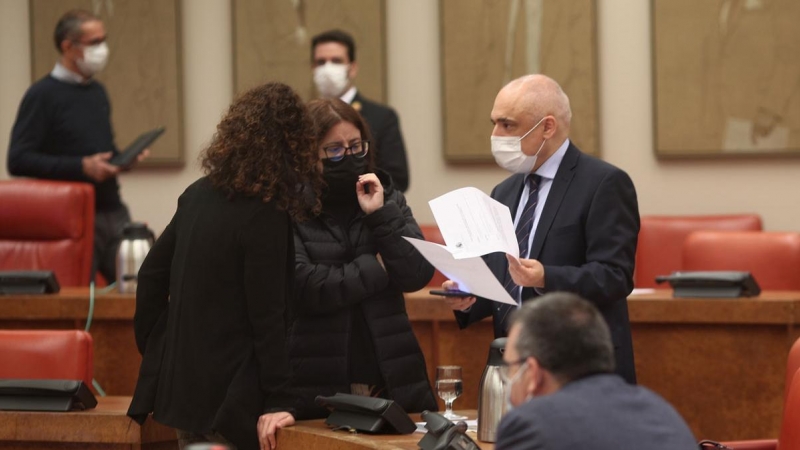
x=107, y=233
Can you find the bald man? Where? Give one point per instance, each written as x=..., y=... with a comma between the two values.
x=576, y=216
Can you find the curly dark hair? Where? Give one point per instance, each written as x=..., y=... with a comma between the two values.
x=264, y=147
x=327, y=112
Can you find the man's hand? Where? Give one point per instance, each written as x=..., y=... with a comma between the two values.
x=139, y=158
x=372, y=201
x=268, y=424
x=97, y=168
x=457, y=303
x=526, y=272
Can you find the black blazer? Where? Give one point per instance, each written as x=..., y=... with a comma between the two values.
x=210, y=322
x=599, y=412
x=390, y=151
x=586, y=240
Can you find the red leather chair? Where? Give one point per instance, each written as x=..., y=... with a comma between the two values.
x=661, y=240
x=47, y=354
x=47, y=225
x=432, y=234
x=772, y=257
x=792, y=366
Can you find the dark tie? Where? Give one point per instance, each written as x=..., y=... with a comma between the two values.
x=524, y=229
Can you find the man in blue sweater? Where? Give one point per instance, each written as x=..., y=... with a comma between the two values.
x=63, y=129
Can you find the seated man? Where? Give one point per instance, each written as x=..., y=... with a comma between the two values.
x=559, y=376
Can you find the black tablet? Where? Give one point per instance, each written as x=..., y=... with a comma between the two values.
x=127, y=156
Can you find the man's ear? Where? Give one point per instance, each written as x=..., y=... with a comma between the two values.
x=66, y=45
x=550, y=127
x=534, y=376
x=353, y=71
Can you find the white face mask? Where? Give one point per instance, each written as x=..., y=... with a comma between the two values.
x=94, y=59
x=507, y=152
x=331, y=79
x=507, y=387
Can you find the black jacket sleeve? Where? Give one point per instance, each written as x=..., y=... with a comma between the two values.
x=152, y=290
x=408, y=270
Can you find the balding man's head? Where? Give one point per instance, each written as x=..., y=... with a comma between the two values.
x=541, y=95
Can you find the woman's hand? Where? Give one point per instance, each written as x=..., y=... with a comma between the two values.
x=373, y=200
x=457, y=303
x=268, y=425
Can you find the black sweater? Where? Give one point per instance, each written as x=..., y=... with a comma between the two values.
x=59, y=123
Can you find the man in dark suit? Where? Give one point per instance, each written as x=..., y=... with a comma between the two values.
x=333, y=59
x=579, y=224
x=557, y=372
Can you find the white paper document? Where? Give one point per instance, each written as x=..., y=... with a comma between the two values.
x=474, y=224
x=471, y=274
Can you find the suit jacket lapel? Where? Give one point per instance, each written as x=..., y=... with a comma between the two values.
x=560, y=184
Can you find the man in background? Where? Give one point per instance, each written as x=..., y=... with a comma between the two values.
x=558, y=375
x=63, y=130
x=333, y=60
x=576, y=217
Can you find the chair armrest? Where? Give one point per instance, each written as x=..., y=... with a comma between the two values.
x=756, y=444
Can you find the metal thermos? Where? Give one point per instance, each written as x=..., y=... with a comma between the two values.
x=491, y=400
x=136, y=242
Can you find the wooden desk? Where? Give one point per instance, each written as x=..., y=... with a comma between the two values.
x=116, y=359
x=104, y=427
x=314, y=434
x=720, y=362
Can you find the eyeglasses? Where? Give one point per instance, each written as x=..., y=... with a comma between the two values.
x=505, y=369
x=337, y=152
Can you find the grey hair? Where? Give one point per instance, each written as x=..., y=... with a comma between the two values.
x=69, y=26
x=566, y=334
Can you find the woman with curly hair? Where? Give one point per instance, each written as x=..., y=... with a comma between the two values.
x=213, y=296
x=351, y=333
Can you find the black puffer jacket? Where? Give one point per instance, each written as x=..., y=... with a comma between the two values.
x=336, y=271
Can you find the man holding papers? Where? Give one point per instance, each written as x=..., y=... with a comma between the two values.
x=576, y=217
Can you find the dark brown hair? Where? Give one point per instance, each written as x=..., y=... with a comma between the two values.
x=327, y=112
x=69, y=26
x=264, y=147
x=338, y=36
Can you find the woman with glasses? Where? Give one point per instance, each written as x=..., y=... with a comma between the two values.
x=351, y=332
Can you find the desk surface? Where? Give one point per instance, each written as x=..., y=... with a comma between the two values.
x=105, y=424
x=771, y=307
x=314, y=434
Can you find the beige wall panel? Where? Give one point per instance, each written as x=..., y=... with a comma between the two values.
x=487, y=43
x=727, y=77
x=272, y=41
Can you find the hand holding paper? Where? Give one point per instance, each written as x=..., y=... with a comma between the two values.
x=471, y=274
x=526, y=272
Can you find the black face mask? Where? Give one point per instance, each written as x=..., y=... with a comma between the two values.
x=341, y=177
